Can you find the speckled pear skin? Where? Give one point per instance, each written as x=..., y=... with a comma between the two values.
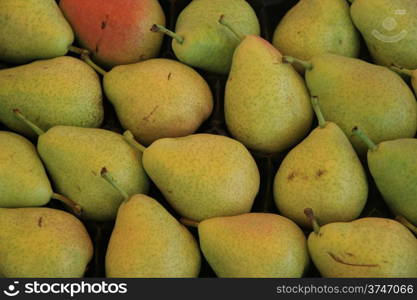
x=116, y=31
x=74, y=157
x=32, y=29
x=57, y=91
x=367, y=247
x=393, y=166
x=148, y=242
x=355, y=93
x=267, y=105
x=208, y=44
x=389, y=28
x=158, y=98
x=254, y=245
x=42, y=242
x=23, y=181
x=314, y=27
x=203, y=175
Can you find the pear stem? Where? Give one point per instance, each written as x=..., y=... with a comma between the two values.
x=229, y=26
x=85, y=56
x=407, y=224
x=76, y=50
x=164, y=30
x=30, y=124
x=106, y=176
x=310, y=215
x=317, y=111
x=360, y=134
x=305, y=64
x=402, y=70
x=75, y=207
x=130, y=139
x=189, y=223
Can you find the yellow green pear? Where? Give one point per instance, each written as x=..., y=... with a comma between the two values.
x=148, y=242
x=58, y=91
x=267, y=104
x=158, y=98
x=322, y=172
x=42, y=242
x=32, y=29
x=255, y=245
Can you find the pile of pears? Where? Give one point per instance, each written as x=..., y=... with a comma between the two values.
x=163, y=139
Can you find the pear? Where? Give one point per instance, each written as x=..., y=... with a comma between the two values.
x=58, y=91
x=267, y=104
x=32, y=29
x=201, y=41
x=148, y=242
x=322, y=172
x=353, y=93
x=254, y=245
x=314, y=27
x=389, y=28
x=158, y=98
x=367, y=247
x=42, y=242
x=393, y=165
x=408, y=73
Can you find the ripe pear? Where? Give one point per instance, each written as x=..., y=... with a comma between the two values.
x=99, y=25
x=322, y=172
x=201, y=41
x=353, y=93
x=367, y=247
x=254, y=245
x=314, y=27
x=393, y=165
x=42, y=242
x=58, y=91
x=389, y=28
x=32, y=29
x=158, y=98
x=267, y=104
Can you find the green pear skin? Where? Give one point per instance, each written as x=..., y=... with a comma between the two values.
x=203, y=175
x=42, y=242
x=148, y=242
x=254, y=245
x=158, y=98
x=267, y=105
x=74, y=157
x=324, y=173
x=389, y=28
x=58, y=91
x=367, y=247
x=23, y=180
x=314, y=27
x=32, y=29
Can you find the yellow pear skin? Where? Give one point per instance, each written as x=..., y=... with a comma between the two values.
x=322, y=172
x=267, y=105
x=158, y=98
x=367, y=247
x=32, y=29
x=23, y=180
x=42, y=242
x=148, y=242
x=255, y=245
x=203, y=175
x=58, y=91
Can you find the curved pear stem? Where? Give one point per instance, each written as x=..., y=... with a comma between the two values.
x=407, y=224
x=401, y=70
x=291, y=60
x=130, y=139
x=29, y=123
x=106, y=176
x=317, y=111
x=360, y=134
x=189, y=223
x=164, y=30
x=75, y=207
x=229, y=26
x=85, y=56
x=310, y=215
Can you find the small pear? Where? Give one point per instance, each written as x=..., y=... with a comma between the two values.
x=42, y=242
x=254, y=245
